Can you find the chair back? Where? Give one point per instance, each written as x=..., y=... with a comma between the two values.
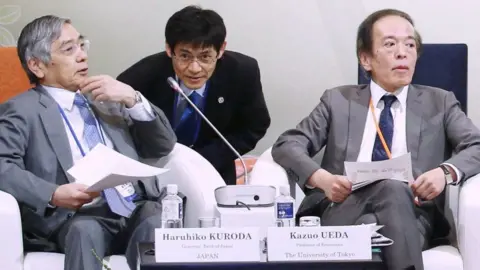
x=13, y=79
x=195, y=177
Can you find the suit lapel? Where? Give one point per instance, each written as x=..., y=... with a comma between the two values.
x=112, y=122
x=357, y=114
x=116, y=135
x=215, y=87
x=414, y=116
x=55, y=130
x=215, y=93
x=167, y=99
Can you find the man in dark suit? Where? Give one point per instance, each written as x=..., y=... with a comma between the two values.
x=390, y=117
x=45, y=130
x=225, y=85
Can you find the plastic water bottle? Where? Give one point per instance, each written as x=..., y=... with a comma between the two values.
x=285, y=208
x=172, y=208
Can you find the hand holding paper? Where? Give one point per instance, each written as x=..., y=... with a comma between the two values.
x=72, y=196
x=430, y=184
x=104, y=168
x=336, y=187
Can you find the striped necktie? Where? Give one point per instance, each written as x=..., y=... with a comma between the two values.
x=91, y=135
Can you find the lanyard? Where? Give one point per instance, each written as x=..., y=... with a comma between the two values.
x=201, y=107
x=379, y=131
x=77, y=141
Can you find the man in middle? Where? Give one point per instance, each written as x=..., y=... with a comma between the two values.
x=225, y=85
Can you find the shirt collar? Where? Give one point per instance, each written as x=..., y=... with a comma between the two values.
x=189, y=91
x=63, y=97
x=378, y=92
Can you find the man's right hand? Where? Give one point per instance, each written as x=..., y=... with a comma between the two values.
x=336, y=187
x=72, y=196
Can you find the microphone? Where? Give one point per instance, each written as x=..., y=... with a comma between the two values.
x=173, y=83
x=255, y=196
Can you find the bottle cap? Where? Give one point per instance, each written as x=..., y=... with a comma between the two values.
x=285, y=190
x=172, y=189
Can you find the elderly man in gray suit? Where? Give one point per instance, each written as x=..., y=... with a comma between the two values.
x=422, y=120
x=45, y=130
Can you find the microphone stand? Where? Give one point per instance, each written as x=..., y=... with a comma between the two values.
x=176, y=87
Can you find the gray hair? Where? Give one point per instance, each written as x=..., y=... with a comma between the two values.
x=36, y=40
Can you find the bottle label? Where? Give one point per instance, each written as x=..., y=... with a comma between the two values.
x=285, y=210
x=127, y=191
x=171, y=210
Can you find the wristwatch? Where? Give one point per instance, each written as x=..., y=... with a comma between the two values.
x=138, y=97
x=448, y=175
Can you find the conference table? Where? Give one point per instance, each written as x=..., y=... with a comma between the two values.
x=146, y=253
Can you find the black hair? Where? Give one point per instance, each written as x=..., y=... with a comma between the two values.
x=365, y=31
x=196, y=26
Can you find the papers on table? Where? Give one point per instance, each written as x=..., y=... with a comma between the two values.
x=378, y=240
x=364, y=173
x=104, y=168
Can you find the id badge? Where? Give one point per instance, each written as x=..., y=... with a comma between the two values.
x=127, y=191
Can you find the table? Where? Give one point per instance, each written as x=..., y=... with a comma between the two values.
x=147, y=262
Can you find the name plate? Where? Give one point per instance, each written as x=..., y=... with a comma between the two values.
x=207, y=245
x=335, y=243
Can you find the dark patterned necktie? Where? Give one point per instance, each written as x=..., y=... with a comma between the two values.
x=386, y=126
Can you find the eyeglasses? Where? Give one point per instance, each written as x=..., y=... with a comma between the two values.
x=71, y=48
x=186, y=59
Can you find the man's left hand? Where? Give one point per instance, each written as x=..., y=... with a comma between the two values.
x=430, y=184
x=106, y=88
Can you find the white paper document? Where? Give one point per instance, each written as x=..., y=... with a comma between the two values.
x=104, y=168
x=365, y=173
x=378, y=240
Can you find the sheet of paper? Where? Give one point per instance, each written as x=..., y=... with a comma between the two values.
x=365, y=173
x=103, y=168
x=378, y=240
x=373, y=227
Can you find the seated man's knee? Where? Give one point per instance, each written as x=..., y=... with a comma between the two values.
x=149, y=215
x=84, y=227
x=395, y=186
x=152, y=222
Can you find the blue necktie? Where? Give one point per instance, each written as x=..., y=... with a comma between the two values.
x=187, y=127
x=92, y=137
x=386, y=126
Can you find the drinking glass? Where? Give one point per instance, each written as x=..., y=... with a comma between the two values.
x=310, y=221
x=208, y=222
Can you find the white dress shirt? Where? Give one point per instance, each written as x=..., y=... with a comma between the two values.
x=398, y=109
x=182, y=103
x=141, y=112
x=189, y=91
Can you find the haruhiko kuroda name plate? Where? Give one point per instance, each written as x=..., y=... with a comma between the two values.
x=207, y=245
x=336, y=243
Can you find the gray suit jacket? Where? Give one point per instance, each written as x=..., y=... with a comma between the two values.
x=436, y=129
x=35, y=153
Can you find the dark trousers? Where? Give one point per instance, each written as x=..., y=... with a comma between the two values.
x=106, y=233
x=392, y=204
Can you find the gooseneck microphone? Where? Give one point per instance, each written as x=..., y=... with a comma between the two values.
x=234, y=196
x=174, y=84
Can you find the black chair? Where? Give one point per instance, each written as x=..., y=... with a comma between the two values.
x=440, y=65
